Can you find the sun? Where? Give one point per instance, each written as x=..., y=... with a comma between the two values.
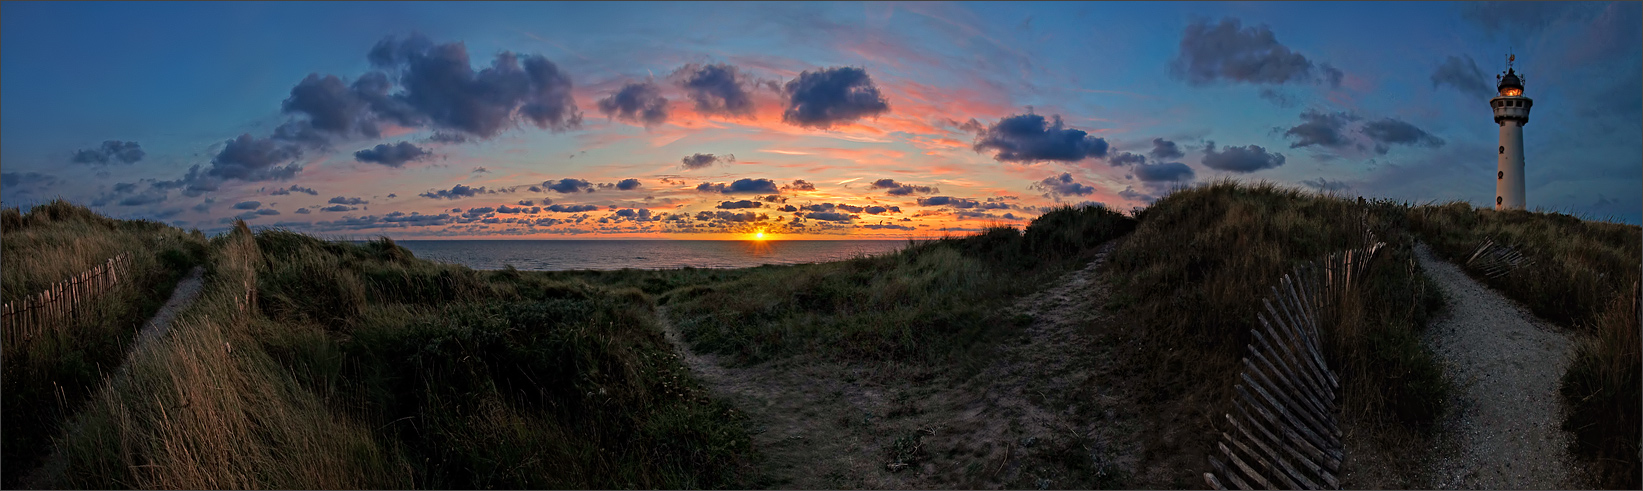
x=758, y=235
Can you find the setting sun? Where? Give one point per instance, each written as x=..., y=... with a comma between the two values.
x=758, y=235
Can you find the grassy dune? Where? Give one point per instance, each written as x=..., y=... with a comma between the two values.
x=358, y=365
x=1188, y=284
x=52, y=376
x=1583, y=275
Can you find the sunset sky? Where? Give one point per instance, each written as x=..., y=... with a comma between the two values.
x=804, y=120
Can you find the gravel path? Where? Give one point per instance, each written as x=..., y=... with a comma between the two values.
x=1504, y=431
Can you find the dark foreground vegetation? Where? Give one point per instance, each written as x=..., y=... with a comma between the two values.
x=360, y=366
x=1582, y=275
x=51, y=376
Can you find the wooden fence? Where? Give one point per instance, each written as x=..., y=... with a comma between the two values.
x=55, y=308
x=1288, y=434
x=1494, y=259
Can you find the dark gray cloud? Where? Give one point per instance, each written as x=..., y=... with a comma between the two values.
x=877, y=210
x=1463, y=74
x=252, y=159
x=716, y=89
x=961, y=203
x=112, y=151
x=1243, y=159
x=700, y=160
x=638, y=102
x=1165, y=150
x=302, y=211
x=830, y=216
x=343, y=200
x=439, y=84
x=443, y=137
x=334, y=108
x=799, y=185
x=628, y=184
x=248, y=205
x=1229, y=51
x=1130, y=193
x=1164, y=172
x=1386, y=132
x=740, y=186
x=480, y=170
x=294, y=189
x=1324, y=129
x=337, y=208
x=571, y=208
x=458, y=191
x=788, y=208
x=568, y=186
x=1125, y=158
x=830, y=96
x=899, y=189
x=268, y=212
x=1031, y=138
x=1062, y=185
x=734, y=205
x=125, y=187
x=1325, y=185
x=392, y=155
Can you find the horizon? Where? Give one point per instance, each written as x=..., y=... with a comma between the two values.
x=802, y=121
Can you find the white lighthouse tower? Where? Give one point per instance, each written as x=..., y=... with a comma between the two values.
x=1511, y=113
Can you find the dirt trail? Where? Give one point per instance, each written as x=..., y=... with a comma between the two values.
x=186, y=291
x=1504, y=431
x=1035, y=417
x=184, y=295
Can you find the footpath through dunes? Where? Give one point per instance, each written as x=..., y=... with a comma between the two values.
x=1034, y=417
x=1504, y=429
x=182, y=296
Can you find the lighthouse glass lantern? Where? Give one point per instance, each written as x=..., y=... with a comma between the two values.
x=1511, y=110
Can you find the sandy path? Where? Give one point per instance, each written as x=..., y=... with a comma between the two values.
x=186, y=291
x=1504, y=431
x=1035, y=417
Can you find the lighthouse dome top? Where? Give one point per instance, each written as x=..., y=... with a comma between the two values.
x=1510, y=85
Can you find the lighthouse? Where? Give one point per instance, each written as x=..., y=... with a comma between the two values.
x=1511, y=113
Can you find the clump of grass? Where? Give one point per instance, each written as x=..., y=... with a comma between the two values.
x=1583, y=276
x=54, y=374
x=934, y=302
x=1188, y=284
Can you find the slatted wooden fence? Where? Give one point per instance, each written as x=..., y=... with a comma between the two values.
x=1494, y=259
x=1288, y=434
x=56, y=307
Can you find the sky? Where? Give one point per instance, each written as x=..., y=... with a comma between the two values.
x=801, y=120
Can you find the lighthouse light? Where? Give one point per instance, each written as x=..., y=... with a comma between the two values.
x=1511, y=91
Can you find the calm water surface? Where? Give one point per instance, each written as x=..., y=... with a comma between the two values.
x=560, y=255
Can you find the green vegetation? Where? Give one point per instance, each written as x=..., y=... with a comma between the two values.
x=1584, y=276
x=357, y=365
x=364, y=367
x=53, y=374
x=931, y=303
x=1188, y=284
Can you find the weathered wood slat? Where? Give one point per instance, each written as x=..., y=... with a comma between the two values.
x=1248, y=472
x=1231, y=476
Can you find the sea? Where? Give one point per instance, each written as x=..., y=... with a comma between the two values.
x=564, y=255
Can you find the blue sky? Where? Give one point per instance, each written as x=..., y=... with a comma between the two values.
x=844, y=119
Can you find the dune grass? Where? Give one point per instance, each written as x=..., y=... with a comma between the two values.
x=935, y=302
x=1583, y=276
x=363, y=367
x=1188, y=284
x=54, y=374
